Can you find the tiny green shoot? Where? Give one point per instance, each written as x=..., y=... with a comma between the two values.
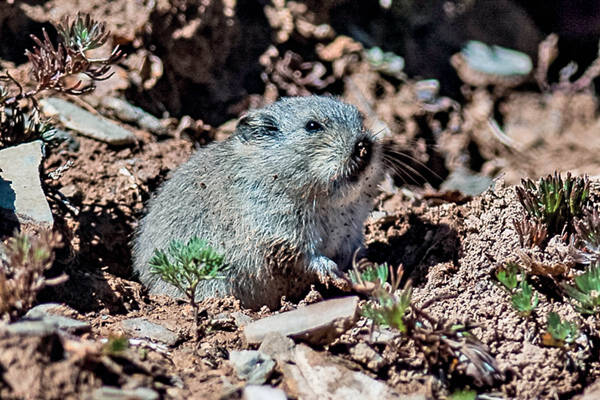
x=388, y=309
x=524, y=300
x=559, y=332
x=377, y=273
x=508, y=275
x=463, y=394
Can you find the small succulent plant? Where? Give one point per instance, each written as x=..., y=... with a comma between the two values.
x=523, y=299
x=586, y=291
x=558, y=333
x=377, y=274
x=389, y=309
x=531, y=232
x=555, y=202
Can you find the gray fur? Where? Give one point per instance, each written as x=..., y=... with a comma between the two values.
x=274, y=198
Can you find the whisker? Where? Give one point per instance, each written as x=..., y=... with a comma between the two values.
x=419, y=162
x=400, y=168
x=416, y=173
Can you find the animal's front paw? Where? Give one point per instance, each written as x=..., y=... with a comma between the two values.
x=329, y=273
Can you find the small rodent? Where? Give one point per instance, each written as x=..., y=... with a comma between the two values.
x=284, y=199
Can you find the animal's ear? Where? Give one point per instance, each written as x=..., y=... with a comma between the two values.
x=256, y=124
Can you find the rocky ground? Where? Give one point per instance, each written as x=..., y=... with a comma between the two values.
x=446, y=211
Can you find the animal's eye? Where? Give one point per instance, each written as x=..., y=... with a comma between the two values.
x=313, y=126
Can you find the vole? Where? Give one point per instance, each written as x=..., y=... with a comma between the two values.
x=284, y=199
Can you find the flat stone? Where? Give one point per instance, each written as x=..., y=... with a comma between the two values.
x=318, y=323
x=86, y=123
x=277, y=346
x=44, y=313
x=364, y=354
x=113, y=393
x=130, y=113
x=141, y=327
x=256, y=392
x=310, y=375
x=30, y=328
x=241, y=319
x=251, y=365
x=21, y=196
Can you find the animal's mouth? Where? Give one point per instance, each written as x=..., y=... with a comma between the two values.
x=360, y=158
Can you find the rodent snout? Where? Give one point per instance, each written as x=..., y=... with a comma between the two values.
x=361, y=156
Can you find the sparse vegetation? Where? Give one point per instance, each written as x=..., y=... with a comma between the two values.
x=389, y=309
x=185, y=266
x=63, y=68
x=554, y=202
x=115, y=345
x=558, y=332
x=586, y=291
x=366, y=276
x=522, y=297
x=448, y=346
x=22, y=272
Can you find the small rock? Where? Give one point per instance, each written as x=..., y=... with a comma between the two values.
x=365, y=355
x=30, y=328
x=21, y=196
x=383, y=336
x=466, y=182
x=129, y=113
x=318, y=323
x=255, y=392
x=496, y=60
x=310, y=375
x=277, y=346
x=113, y=393
x=86, y=123
x=71, y=191
x=252, y=366
x=43, y=312
x=241, y=319
x=140, y=327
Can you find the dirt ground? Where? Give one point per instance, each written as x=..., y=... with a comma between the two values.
x=449, y=243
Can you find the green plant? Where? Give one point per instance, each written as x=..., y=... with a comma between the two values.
x=521, y=294
x=377, y=274
x=59, y=68
x=389, y=309
x=463, y=394
x=186, y=265
x=524, y=300
x=508, y=275
x=553, y=201
x=115, y=345
x=448, y=347
x=559, y=332
x=586, y=292
x=22, y=272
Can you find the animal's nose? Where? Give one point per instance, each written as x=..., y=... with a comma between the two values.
x=362, y=152
x=362, y=149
